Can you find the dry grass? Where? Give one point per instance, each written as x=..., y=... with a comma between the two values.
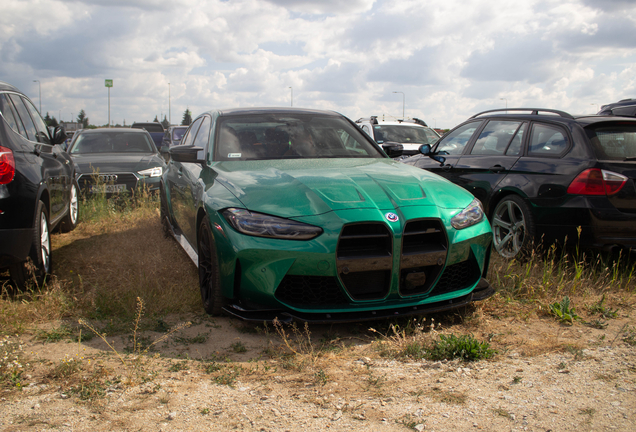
x=116, y=254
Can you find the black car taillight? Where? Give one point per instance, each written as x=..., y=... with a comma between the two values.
x=7, y=165
x=595, y=181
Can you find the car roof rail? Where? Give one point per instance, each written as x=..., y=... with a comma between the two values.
x=372, y=119
x=533, y=111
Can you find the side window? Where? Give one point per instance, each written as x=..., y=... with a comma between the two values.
x=547, y=141
x=6, y=108
x=514, y=148
x=25, y=117
x=495, y=137
x=455, y=141
x=203, y=136
x=40, y=125
x=188, y=139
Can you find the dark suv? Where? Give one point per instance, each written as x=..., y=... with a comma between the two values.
x=544, y=176
x=625, y=107
x=38, y=192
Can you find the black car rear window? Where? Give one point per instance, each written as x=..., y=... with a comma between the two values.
x=616, y=141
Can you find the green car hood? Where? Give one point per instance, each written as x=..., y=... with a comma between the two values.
x=304, y=187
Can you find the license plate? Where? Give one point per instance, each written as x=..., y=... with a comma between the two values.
x=116, y=188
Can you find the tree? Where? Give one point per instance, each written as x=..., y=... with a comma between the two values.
x=81, y=118
x=50, y=121
x=156, y=120
x=165, y=123
x=187, y=118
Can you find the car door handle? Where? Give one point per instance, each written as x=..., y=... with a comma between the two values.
x=497, y=168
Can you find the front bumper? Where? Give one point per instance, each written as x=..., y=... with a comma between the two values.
x=482, y=291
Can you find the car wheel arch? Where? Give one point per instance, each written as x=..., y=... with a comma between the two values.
x=500, y=195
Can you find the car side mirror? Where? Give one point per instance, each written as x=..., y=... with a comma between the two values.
x=393, y=149
x=189, y=154
x=59, y=135
x=425, y=149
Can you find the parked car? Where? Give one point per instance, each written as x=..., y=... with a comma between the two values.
x=410, y=133
x=155, y=129
x=625, y=107
x=116, y=160
x=543, y=174
x=173, y=135
x=38, y=192
x=296, y=213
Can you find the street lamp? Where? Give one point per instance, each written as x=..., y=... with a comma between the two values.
x=169, y=107
x=435, y=124
x=403, y=100
x=40, y=87
x=292, y=96
x=596, y=105
x=504, y=99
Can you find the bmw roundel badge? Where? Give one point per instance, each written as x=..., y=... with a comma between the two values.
x=392, y=217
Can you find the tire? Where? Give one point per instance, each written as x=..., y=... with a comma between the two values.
x=70, y=220
x=164, y=213
x=513, y=228
x=209, y=277
x=39, y=264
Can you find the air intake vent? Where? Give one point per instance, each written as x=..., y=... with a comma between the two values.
x=310, y=292
x=458, y=276
x=364, y=260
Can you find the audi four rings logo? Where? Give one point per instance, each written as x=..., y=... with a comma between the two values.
x=392, y=217
x=107, y=178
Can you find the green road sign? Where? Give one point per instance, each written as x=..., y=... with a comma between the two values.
x=109, y=83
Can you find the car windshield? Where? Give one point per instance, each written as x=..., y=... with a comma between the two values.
x=177, y=133
x=112, y=142
x=614, y=142
x=290, y=136
x=404, y=134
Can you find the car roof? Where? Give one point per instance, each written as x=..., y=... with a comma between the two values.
x=112, y=130
x=546, y=114
x=8, y=87
x=272, y=110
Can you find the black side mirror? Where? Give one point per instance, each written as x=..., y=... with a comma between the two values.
x=425, y=149
x=59, y=135
x=189, y=154
x=393, y=149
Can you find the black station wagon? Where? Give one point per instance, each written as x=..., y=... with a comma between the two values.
x=544, y=176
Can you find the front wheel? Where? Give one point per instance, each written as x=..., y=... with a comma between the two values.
x=513, y=228
x=39, y=264
x=209, y=277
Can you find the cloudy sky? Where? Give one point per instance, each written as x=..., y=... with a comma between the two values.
x=449, y=58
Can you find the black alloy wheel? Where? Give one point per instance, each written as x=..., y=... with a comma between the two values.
x=209, y=278
x=39, y=264
x=513, y=228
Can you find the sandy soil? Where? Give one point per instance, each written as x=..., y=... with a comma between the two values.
x=220, y=374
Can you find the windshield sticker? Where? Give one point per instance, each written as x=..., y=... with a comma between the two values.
x=234, y=155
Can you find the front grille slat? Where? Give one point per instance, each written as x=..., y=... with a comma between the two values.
x=424, y=250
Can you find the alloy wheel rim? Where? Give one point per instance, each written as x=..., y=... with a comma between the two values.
x=45, y=243
x=73, y=205
x=509, y=229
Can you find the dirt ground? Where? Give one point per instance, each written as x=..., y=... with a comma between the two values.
x=221, y=374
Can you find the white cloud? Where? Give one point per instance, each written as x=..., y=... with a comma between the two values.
x=451, y=58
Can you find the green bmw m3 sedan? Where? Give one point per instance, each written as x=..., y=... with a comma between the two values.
x=297, y=214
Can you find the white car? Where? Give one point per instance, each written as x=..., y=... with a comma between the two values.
x=410, y=133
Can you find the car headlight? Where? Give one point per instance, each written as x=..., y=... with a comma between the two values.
x=262, y=225
x=151, y=172
x=471, y=215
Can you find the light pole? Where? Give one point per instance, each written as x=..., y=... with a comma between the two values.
x=504, y=99
x=435, y=124
x=169, y=107
x=403, y=101
x=596, y=105
x=292, y=96
x=40, y=88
